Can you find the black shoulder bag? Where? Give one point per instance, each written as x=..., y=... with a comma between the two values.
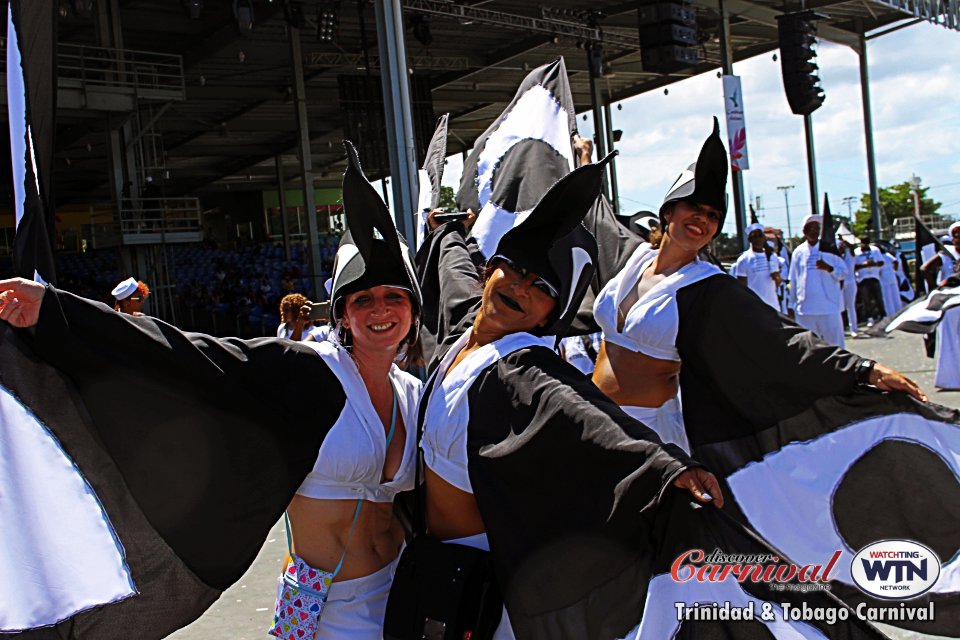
x=440, y=591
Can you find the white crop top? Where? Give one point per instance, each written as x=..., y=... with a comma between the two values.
x=445, y=421
x=350, y=464
x=652, y=322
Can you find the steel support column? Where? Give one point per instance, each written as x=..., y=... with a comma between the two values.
x=614, y=188
x=282, y=192
x=811, y=166
x=736, y=177
x=306, y=163
x=399, y=114
x=868, y=131
x=596, y=104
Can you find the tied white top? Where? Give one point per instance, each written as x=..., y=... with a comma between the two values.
x=651, y=323
x=350, y=464
x=447, y=414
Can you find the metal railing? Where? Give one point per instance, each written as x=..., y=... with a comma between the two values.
x=945, y=13
x=148, y=74
x=148, y=221
x=904, y=227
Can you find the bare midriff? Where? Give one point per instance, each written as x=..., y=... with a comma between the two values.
x=635, y=379
x=321, y=528
x=451, y=512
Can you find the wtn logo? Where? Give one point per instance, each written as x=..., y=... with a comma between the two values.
x=895, y=569
x=903, y=570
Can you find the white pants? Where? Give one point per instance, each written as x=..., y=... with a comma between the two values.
x=891, y=294
x=948, y=350
x=479, y=541
x=355, y=608
x=850, y=303
x=828, y=327
x=666, y=420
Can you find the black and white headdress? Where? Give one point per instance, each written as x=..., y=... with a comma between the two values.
x=828, y=236
x=553, y=243
x=704, y=181
x=364, y=260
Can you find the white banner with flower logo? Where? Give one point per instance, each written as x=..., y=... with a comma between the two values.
x=736, y=123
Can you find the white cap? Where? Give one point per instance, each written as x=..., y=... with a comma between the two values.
x=811, y=218
x=953, y=227
x=125, y=289
x=756, y=226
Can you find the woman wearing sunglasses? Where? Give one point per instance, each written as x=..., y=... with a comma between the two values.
x=523, y=455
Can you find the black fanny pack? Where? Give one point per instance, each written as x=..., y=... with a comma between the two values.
x=443, y=591
x=440, y=591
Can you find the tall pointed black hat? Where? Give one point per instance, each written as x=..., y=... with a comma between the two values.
x=828, y=231
x=704, y=181
x=364, y=260
x=754, y=222
x=553, y=243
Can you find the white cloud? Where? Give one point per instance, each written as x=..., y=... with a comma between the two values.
x=915, y=120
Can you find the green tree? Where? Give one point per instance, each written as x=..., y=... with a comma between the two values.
x=896, y=201
x=448, y=199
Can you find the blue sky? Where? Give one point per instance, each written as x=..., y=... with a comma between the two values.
x=916, y=120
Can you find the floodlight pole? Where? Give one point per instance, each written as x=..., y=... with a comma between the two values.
x=596, y=104
x=811, y=165
x=868, y=131
x=614, y=188
x=786, y=201
x=282, y=193
x=306, y=163
x=726, y=61
x=397, y=106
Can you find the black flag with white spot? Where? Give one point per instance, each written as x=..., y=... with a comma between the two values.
x=849, y=471
x=521, y=155
x=430, y=175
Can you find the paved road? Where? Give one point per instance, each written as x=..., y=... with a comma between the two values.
x=245, y=611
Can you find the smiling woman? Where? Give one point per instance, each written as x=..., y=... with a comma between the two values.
x=217, y=449
x=512, y=434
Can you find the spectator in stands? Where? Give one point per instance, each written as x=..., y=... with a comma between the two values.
x=129, y=296
x=292, y=319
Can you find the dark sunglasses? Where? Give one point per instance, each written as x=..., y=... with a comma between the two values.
x=523, y=272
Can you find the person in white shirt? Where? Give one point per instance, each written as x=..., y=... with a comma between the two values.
x=581, y=351
x=758, y=268
x=945, y=263
x=815, y=293
x=783, y=252
x=849, y=285
x=867, y=263
x=889, y=285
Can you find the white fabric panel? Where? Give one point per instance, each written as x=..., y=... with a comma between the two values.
x=423, y=204
x=666, y=420
x=537, y=115
x=16, y=110
x=805, y=475
x=948, y=349
x=661, y=621
x=58, y=552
